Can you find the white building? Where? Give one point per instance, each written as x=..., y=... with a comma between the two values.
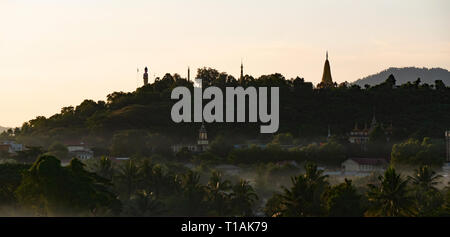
x=80, y=151
x=364, y=165
x=15, y=147
x=201, y=146
x=191, y=147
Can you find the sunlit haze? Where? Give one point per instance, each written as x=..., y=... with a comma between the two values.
x=58, y=53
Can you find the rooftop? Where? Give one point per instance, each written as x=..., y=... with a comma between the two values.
x=370, y=161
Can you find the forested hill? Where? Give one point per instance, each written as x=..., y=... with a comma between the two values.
x=407, y=74
x=305, y=111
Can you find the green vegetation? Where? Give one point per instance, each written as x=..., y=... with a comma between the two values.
x=414, y=153
x=138, y=122
x=149, y=188
x=48, y=189
x=158, y=182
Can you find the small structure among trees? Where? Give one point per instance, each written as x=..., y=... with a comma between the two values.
x=364, y=165
x=201, y=146
x=375, y=133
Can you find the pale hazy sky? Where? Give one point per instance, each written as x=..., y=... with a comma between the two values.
x=55, y=53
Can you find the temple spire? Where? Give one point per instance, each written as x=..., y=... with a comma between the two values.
x=145, y=76
x=327, y=81
x=189, y=74
x=356, y=127
x=242, y=71
x=374, y=120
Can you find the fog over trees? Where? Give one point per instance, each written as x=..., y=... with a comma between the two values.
x=280, y=174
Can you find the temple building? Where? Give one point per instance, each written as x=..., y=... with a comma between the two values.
x=201, y=146
x=327, y=81
x=361, y=136
x=145, y=76
x=202, y=141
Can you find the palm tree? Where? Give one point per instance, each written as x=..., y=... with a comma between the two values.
x=143, y=204
x=193, y=193
x=343, y=200
x=104, y=168
x=428, y=199
x=128, y=177
x=146, y=176
x=425, y=178
x=161, y=183
x=314, y=175
x=304, y=197
x=243, y=198
x=155, y=180
x=218, y=193
x=390, y=198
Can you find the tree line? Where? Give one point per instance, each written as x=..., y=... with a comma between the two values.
x=414, y=109
x=150, y=188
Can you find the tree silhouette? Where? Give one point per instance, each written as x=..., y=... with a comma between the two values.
x=192, y=203
x=390, y=197
x=128, y=177
x=49, y=189
x=104, y=168
x=243, y=198
x=304, y=197
x=218, y=194
x=343, y=200
x=143, y=204
x=427, y=197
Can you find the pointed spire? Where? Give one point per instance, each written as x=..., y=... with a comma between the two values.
x=356, y=126
x=242, y=71
x=374, y=120
x=202, y=135
x=327, y=81
x=189, y=74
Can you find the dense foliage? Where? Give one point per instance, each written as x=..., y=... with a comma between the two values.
x=150, y=188
x=414, y=109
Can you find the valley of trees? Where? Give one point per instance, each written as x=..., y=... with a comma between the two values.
x=151, y=188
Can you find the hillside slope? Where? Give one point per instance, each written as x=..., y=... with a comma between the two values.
x=407, y=74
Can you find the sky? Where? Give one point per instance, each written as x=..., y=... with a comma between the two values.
x=57, y=53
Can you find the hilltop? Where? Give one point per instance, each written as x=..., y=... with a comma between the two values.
x=143, y=116
x=407, y=74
